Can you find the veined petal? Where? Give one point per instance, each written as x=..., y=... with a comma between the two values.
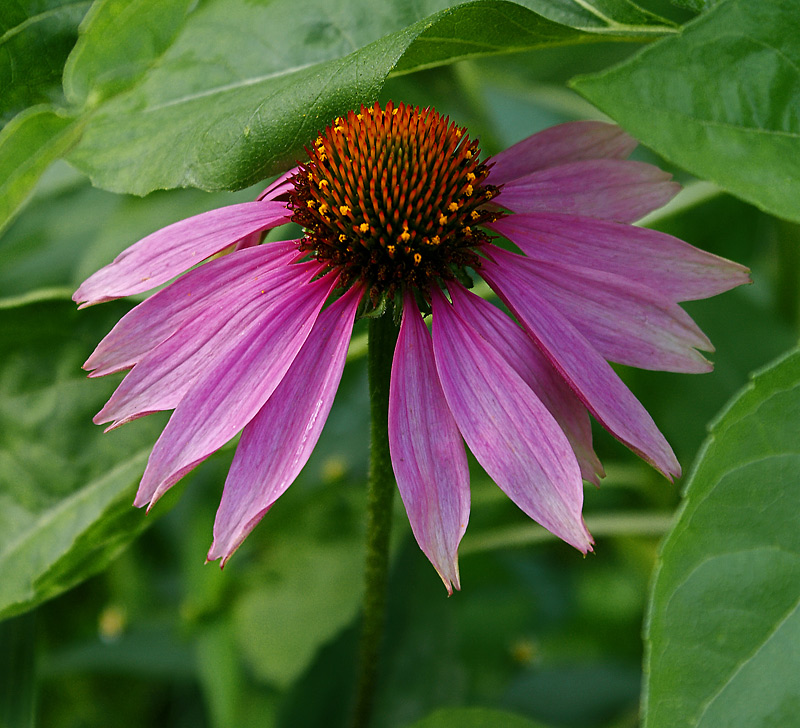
x=569, y=142
x=280, y=186
x=176, y=248
x=519, y=350
x=278, y=441
x=609, y=189
x=584, y=369
x=160, y=316
x=273, y=191
x=675, y=269
x=161, y=379
x=625, y=321
x=427, y=452
x=223, y=401
x=510, y=432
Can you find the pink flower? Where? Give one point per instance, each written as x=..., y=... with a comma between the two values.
x=398, y=208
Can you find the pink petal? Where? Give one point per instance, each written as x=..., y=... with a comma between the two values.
x=625, y=321
x=233, y=391
x=427, y=452
x=570, y=142
x=276, y=190
x=508, y=429
x=156, y=319
x=609, y=189
x=166, y=373
x=677, y=270
x=518, y=349
x=278, y=441
x=176, y=248
x=280, y=186
x=589, y=375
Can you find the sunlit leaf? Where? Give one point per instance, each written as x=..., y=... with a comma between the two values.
x=29, y=144
x=35, y=38
x=244, y=85
x=65, y=488
x=721, y=100
x=724, y=622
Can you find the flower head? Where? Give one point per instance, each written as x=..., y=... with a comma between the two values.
x=399, y=210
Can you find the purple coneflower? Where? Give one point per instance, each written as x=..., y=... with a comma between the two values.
x=399, y=210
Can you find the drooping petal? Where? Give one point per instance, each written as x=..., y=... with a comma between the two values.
x=664, y=263
x=625, y=321
x=233, y=391
x=174, y=249
x=510, y=432
x=584, y=369
x=609, y=189
x=519, y=350
x=570, y=142
x=161, y=379
x=160, y=316
x=273, y=191
x=278, y=441
x=427, y=451
x=280, y=186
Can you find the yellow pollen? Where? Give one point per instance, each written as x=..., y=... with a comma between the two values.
x=319, y=141
x=323, y=208
x=468, y=191
x=390, y=249
x=322, y=156
x=394, y=112
x=470, y=177
x=453, y=206
x=468, y=154
x=323, y=183
x=475, y=214
x=342, y=237
x=344, y=209
x=435, y=240
x=489, y=194
x=417, y=258
x=467, y=230
x=442, y=220
x=458, y=133
x=311, y=204
x=359, y=116
x=405, y=236
x=363, y=227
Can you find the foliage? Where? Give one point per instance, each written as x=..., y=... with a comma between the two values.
x=112, y=615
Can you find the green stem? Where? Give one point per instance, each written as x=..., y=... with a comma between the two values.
x=381, y=486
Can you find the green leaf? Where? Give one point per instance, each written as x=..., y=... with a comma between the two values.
x=245, y=85
x=28, y=145
x=724, y=621
x=720, y=100
x=106, y=60
x=474, y=718
x=35, y=38
x=65, y=487
x=612, y=15
x=311, y=587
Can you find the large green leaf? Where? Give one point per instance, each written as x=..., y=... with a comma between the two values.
x=35, y=38
x=244, y=85
x=724, y=622
x=65, y=488
x=720, y=100
x=29, y=144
